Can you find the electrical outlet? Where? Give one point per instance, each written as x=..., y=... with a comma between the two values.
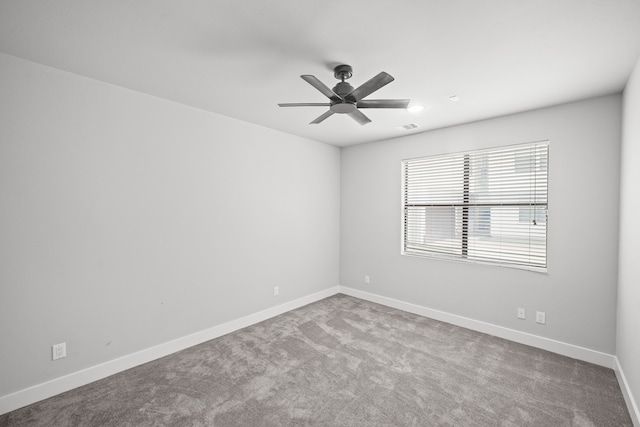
x=367, y=280
x=521, y=314
x=541, y=317
x=276, y=291
x=58, y=351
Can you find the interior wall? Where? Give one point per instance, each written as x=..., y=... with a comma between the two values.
x=127, y=221
x=578, y=292
x=628, y=344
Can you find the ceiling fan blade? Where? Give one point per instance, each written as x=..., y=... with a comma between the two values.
x=383, y=103
x=322, y=117
x=370, y=86
x=313, y=81
x=305, y=104
x=359, y=117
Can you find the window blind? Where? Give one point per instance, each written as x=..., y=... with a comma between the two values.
x=484, y=206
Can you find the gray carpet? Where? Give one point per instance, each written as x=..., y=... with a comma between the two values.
x=345, y=362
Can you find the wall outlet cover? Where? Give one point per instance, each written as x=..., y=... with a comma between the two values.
x=58, y=351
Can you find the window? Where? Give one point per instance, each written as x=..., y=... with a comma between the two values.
x=485, y=206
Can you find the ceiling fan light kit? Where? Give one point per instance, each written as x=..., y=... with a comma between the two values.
x=344, y=99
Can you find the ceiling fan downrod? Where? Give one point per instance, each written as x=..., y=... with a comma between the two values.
x=343, y=72
x=342, y=89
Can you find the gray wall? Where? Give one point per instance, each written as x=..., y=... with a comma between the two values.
x=578, y=293
x=127, y=221
x=628, y=344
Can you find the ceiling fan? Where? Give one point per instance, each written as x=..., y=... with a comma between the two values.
x=344, y=99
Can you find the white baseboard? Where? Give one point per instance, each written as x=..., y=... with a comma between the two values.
x=48, y=389
x=628, y=396
x=56, y=386
x=570, y=350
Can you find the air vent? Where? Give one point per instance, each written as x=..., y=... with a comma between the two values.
x=408, y=127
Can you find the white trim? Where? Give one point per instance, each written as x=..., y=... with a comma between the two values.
x=59, y=385
x=628, y=396
x=570, y=350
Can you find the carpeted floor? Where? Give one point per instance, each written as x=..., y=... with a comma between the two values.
x=345, y=362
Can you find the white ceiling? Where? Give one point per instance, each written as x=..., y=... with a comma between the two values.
x=239, y=58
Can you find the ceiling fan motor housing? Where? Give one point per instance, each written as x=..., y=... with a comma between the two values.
x=344, y=105
x=343, y=89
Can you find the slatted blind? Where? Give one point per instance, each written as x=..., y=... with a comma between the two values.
x=484, y=206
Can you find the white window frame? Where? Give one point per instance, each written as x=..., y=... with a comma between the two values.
x=462, y=222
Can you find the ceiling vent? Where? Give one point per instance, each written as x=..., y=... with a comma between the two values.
x=408, y=127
